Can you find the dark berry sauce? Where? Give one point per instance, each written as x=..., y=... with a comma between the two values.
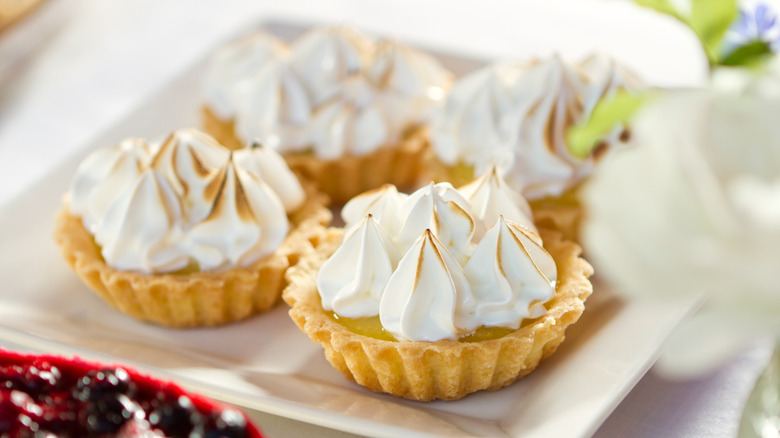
x=52, y=396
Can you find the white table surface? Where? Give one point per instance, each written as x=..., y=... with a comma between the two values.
x=101, y=59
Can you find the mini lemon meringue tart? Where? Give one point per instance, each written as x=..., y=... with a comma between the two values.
x=515, y=115
x=186, y=233
x=440, y=293
x=345, y=111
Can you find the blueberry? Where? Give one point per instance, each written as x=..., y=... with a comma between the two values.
x=175, y=417
x=108, y=414
x=98, y=384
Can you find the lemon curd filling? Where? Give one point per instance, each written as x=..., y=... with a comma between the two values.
x=371, y=327
x=191, y=268
x=460, y=174
x=568, y=198
x=368, y=326
x=486, y=334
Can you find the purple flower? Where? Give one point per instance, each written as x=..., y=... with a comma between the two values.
x=760, y=24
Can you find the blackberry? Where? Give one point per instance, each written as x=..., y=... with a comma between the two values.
x=176, y=418
x=108, y=414
x=226, y=424
x=98, y=384
x=37, y=379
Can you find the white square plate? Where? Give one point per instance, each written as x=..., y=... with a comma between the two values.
x=267, y=364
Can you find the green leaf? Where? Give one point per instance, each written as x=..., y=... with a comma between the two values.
x=710, y=19
x=606, y=116
x=662, y=6
x=748, y=54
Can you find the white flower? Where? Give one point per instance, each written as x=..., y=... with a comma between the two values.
x=694, y=208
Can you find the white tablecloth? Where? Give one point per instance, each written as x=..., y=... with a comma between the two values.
x=99, y=59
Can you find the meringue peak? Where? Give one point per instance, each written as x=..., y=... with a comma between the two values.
x=191, y=160
x=443, y=210
x=383, y=203
x=230, y=195
x=324, y=56
x=511, y=275
x=103, y=175
x=140, y=229
x=233, y=68
x=428, y=298
x=246, y=222
x=490, y=197
x=276, y=110
x=356, y=292
x=266, y=163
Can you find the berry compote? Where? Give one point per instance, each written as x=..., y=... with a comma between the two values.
x=51, y=396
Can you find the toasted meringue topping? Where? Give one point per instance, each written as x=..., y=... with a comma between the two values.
x=218, y=211
x=441, y=209
x=383, y=203
x=351, y=122
x=511, y=276
x=266, y=163
x=408, y=71
x=516, y=116
x=354, y=291
x=412, y=82
x=247, y=221
x=547, y=168
x=428, y=297
x=331, y=92
x=277, y=110
x=102, y=176
x=491, y=197
x=323, y=57
x=190, y=160
x=230, y=74
x=477, y=124
x=141, y=229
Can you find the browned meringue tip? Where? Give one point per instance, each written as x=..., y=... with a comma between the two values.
x=220, y=129
x=444, y=370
